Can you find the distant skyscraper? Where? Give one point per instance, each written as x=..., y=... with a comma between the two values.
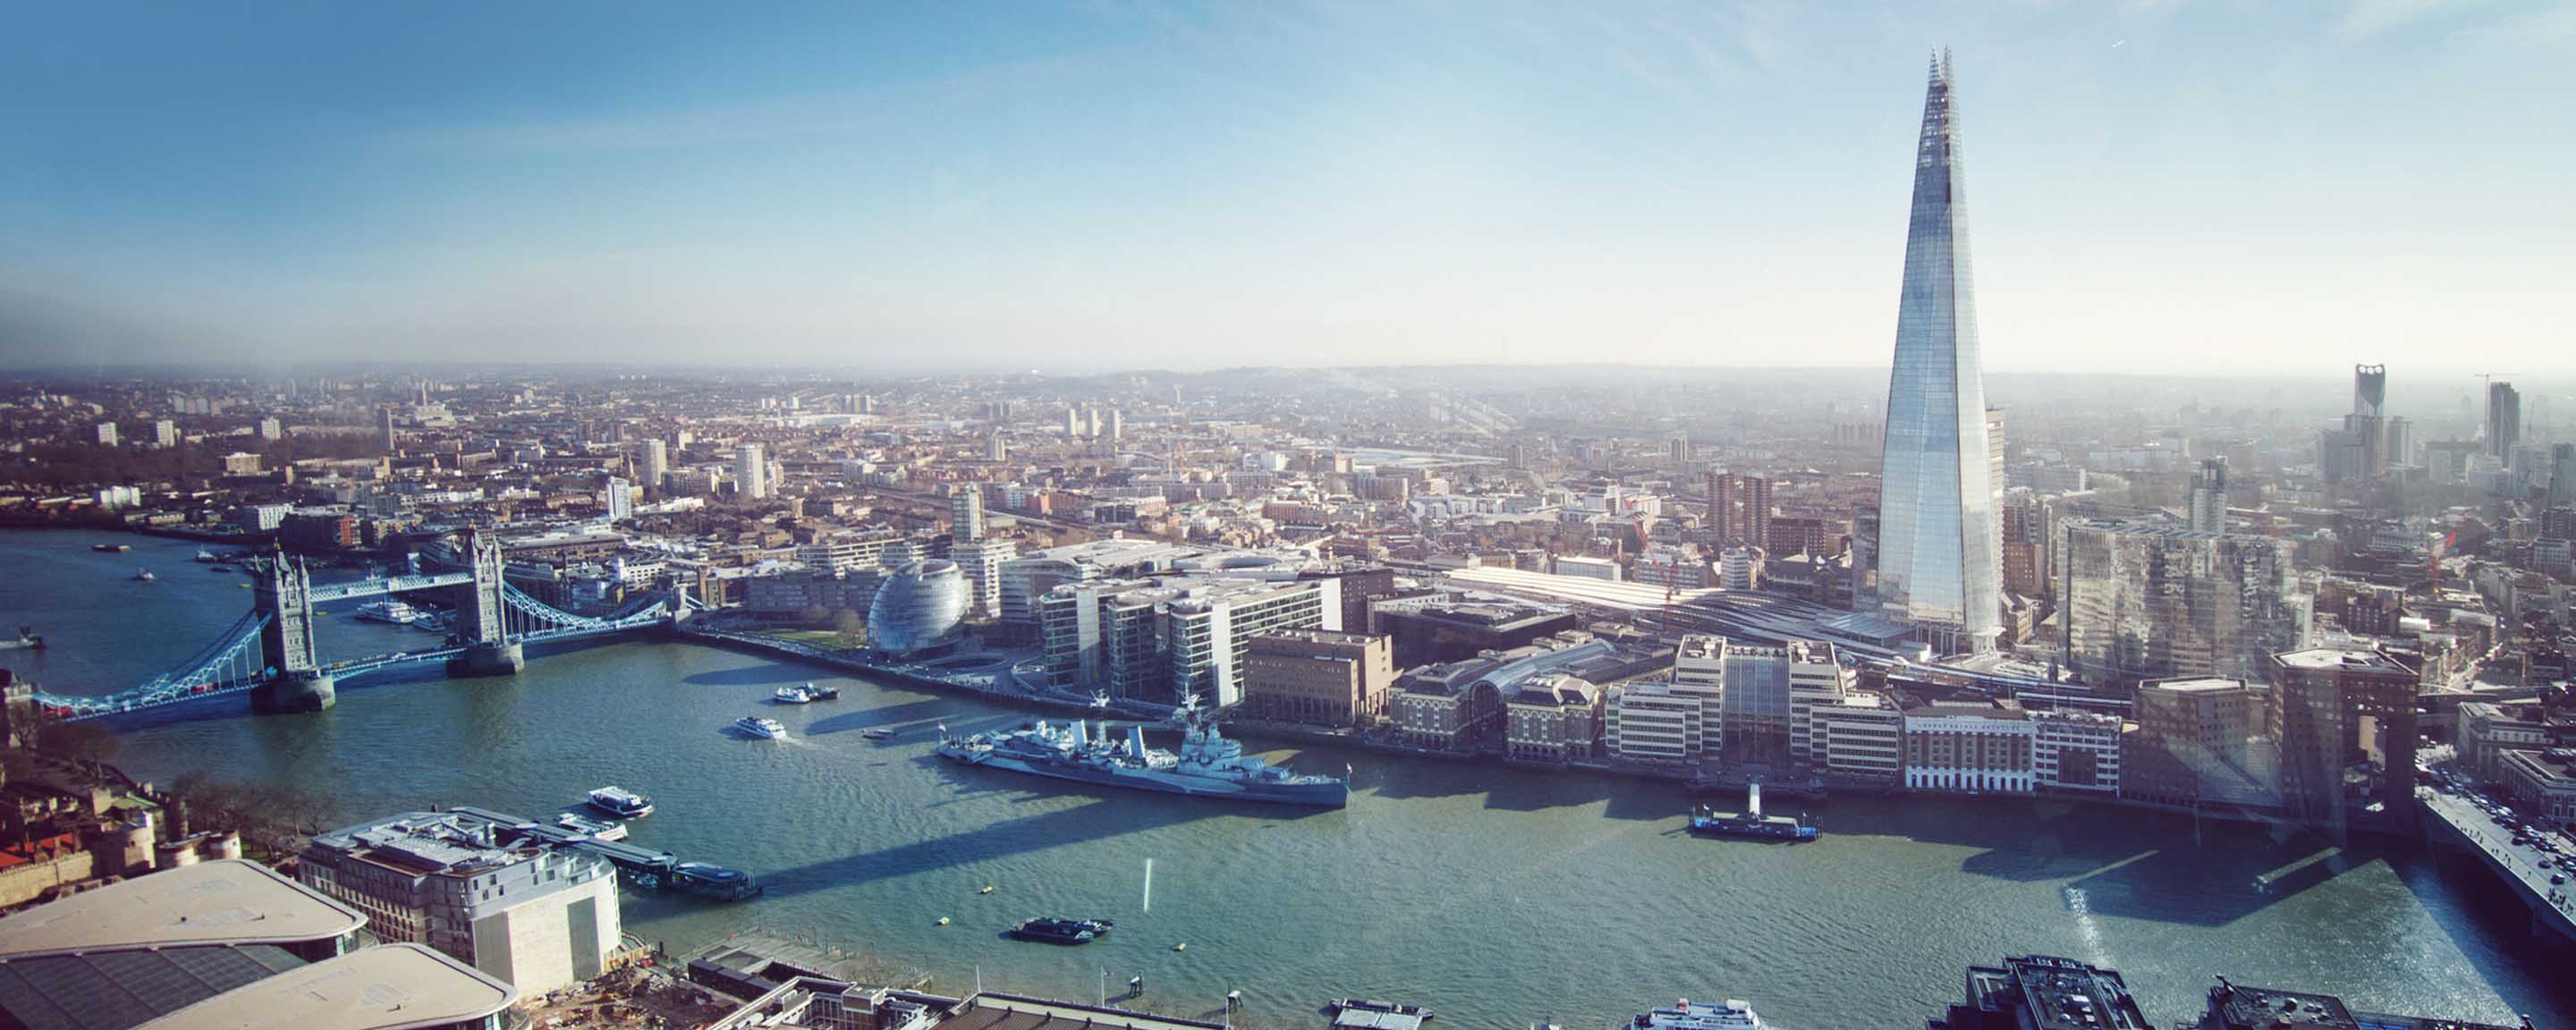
x=1938, y=540
x=966, y=514
x=657, y=463
x=2562, y=475
x=2504, y=420
x=751, y=472
x=2367, y=426
x=1741, y=509
x=619, y=499
x=2401, y=441
x=2209, y=497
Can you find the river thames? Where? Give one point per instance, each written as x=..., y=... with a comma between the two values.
x=1500, y=897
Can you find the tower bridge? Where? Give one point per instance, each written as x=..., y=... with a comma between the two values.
x=270, y=654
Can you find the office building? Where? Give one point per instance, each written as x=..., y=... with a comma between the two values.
x=2345, y=715
x=1935, y=558
x=982, y=562
x=2209, y=497
x=1030, y=576
x=2358, y=450
x=1209, y=629
x=526, y=912
x=1552, y=718
x=1764, y=694
x=848, y=550
x=2504, y=420
x=2076, y=752
x=966, y=513
x=1969, y=748
x=2044, y=992
x=1671, y=566
x=2485, y=730
x=1317, y=676
x=1461, y=706
x=2148, y=600
x=1589, y=568
x=2562, y=475
x=1740, y=509
x=618, y=497
x=2203, y=741
x=1859, y=736
x=1739, y=568
x=2541, y=783
x=751, y=472
x=1648, y=721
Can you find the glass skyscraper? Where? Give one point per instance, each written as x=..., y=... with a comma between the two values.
x=1938, y=555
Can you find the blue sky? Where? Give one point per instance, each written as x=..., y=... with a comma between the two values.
x=2153, y=186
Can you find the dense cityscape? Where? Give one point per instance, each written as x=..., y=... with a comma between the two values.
x=2303, y=628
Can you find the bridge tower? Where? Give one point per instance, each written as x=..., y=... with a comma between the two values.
x=489, y=651
x=295, y=681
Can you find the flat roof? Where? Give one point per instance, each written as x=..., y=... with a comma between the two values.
x=2338, y=658
x=226, y=901
x=120, y=990
x=392, y=987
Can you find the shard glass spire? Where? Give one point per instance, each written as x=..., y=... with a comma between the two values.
x=1939, y=554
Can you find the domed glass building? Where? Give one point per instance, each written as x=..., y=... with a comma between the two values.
x=922, y=607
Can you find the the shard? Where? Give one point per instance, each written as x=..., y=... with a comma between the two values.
x=1938, y=556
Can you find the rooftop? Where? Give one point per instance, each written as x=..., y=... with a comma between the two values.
x=227, y=901
x=119, y=990
x=393, y=987
x=2340, y=658
x=2202, y=685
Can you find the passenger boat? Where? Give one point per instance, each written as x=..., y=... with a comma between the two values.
x=395, y=612
x=713, y=881
x=761, y=727
x=27, y=641
x=826, y=692
x=1682, y=1015
x=791, y=696
x=1054, y=930
x=622, y=803
x=1749, y=824
x=593, y=828
x=208, y=557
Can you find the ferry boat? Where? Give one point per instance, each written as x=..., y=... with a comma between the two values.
x=144, y=576
x=791, y=696
x=622, y=803
x=1208, y=764
x=592, y=828
x=1751, y=823
x=713, y=881
x=27, y=641
x=395, y=612
x=1052, y=930
x=207, y=557
x=111, y=548
x=1732, y=1014
x=761, y=727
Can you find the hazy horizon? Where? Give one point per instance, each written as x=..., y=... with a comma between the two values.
x=2152, y=187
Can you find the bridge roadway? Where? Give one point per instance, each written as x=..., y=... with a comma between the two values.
x=370, y=587
x=2458, y=819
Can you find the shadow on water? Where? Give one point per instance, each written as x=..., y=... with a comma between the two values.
x=910, y=715
x=1507, y=788
x=2115, y=861
x=752, y=675
x=1082, y=824
x=2484, y=915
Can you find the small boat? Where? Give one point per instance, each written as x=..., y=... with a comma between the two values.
x=791, y=696
x=1053, y=930
x=1341, y=1005
x=713, y=881
x=111, y=548
x=826, y=692
x=144, y=576
x=988, y=889
x=877, y=733
x=622, y=803
x=27, y=641
x=220, y=568
x=206, y=556
x=593, y=828
x=943, y=920
x=762, y=727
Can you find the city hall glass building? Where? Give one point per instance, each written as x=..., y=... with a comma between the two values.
x=1938, y=556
